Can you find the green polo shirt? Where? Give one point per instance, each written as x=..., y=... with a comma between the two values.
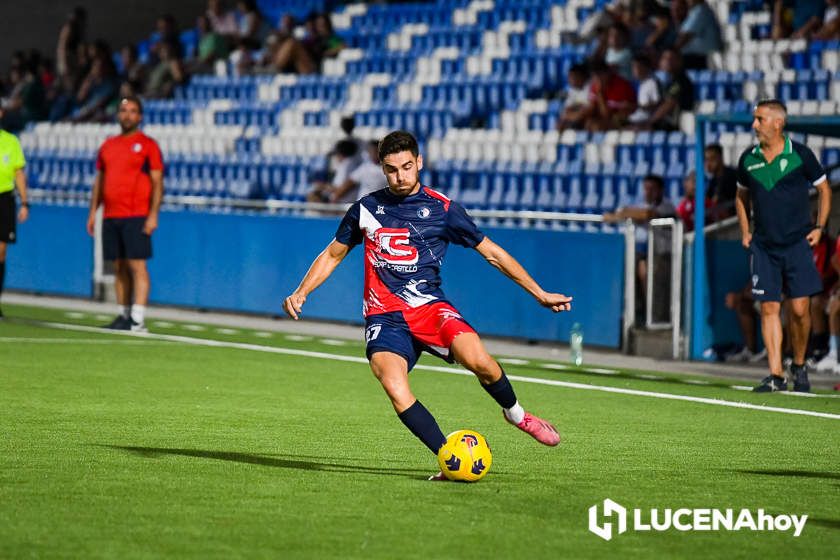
x=779, y=192
x=11, y=159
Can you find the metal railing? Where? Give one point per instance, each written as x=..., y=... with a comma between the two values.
x=673, y=254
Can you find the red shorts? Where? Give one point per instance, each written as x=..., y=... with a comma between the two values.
x=430, y=327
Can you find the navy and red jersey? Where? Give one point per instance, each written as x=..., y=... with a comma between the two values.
x=405, y=240
x=125, y=162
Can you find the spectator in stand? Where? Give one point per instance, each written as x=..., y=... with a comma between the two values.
x=97, y=91
x=666, y=22
x=25, y=102
x=346, y=155
x=699, y=35
x=721, y=182
x=618, y=53
x=166, y=75
x=363, y=180
x=678, y=93
x=211, y=47
x=133, y=71
x=611, y=99
x=650, y=91
x=70, y=37
x=285, y=53
x=654, y=205
x=222, y=21
x=830, y=28
x=576, y=98
x=348, y=125
x=167, y=34
x=685, y=208
x=252, y=28
x=324, y=42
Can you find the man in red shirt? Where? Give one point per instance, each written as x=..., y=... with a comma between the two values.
x=129, y=183
x=611, y=99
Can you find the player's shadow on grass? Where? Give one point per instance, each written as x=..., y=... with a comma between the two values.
x=283, y=462
x=795, y=473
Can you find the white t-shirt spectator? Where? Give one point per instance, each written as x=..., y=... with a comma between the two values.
x=650, y=94
x=577, y=96
x=369, y=177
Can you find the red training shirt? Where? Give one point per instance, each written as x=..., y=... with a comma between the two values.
x=125, y=163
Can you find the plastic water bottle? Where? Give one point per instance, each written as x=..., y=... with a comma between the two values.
x=576, y=344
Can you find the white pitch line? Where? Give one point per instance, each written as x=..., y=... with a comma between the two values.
x=513, y=361
x=536, y=380
x=32, y=340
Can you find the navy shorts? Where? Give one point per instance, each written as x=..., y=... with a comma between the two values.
x=123, y=238
x=8, y=218
x=431, y=327
x=789, y=270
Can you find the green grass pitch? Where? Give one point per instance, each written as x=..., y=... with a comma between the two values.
x=128, y=447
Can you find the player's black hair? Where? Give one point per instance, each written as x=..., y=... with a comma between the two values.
x=660, y=182
x=133, y=99
x=396, y=142
x=774, y=103
x=714, y=148
x=346, y=148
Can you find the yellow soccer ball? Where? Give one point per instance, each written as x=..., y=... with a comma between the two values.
x=465, y=456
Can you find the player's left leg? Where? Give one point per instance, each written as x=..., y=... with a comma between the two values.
x=140, y=284
x=138, y=249
x=469, y=351
x=800, y=327
x=391, y=370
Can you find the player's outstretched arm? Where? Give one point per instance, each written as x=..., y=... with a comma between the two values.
x=511, y=268
x=321, y=268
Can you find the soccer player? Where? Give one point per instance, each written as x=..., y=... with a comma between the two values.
x=12, y=163
x=129, y=183
x=776, y=176
x=406, y=229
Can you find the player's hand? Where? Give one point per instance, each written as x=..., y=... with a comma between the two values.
x=293, y=304
x=23, y=214
x=556, y=302
x=814, y=236
x=91, y=224
x=151, y=225
x=746, y=239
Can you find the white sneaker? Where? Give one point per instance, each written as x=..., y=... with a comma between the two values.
x=759, y=356
x=743, y=355
x=828, y=364
x=138, y=327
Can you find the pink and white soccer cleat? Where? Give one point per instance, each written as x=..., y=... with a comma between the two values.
x=439, y=477
x=538, y=429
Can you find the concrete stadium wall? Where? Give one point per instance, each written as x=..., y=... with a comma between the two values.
x=250, y=263
x=35, y=24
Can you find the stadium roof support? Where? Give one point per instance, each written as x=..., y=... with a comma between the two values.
x=698, y=329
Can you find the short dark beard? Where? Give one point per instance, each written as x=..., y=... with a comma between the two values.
x=128, y=130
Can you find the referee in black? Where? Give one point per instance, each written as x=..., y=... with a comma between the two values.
x=775, y=177
x=12, y=163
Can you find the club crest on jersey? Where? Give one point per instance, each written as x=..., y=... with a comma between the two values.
x=380, y=210
x=136, y=147
x=423, y=212
x=393, y=247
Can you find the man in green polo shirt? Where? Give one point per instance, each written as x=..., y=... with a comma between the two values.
x=11, y=173
x=776, y=176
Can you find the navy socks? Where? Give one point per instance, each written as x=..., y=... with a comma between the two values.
x=423, y=425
